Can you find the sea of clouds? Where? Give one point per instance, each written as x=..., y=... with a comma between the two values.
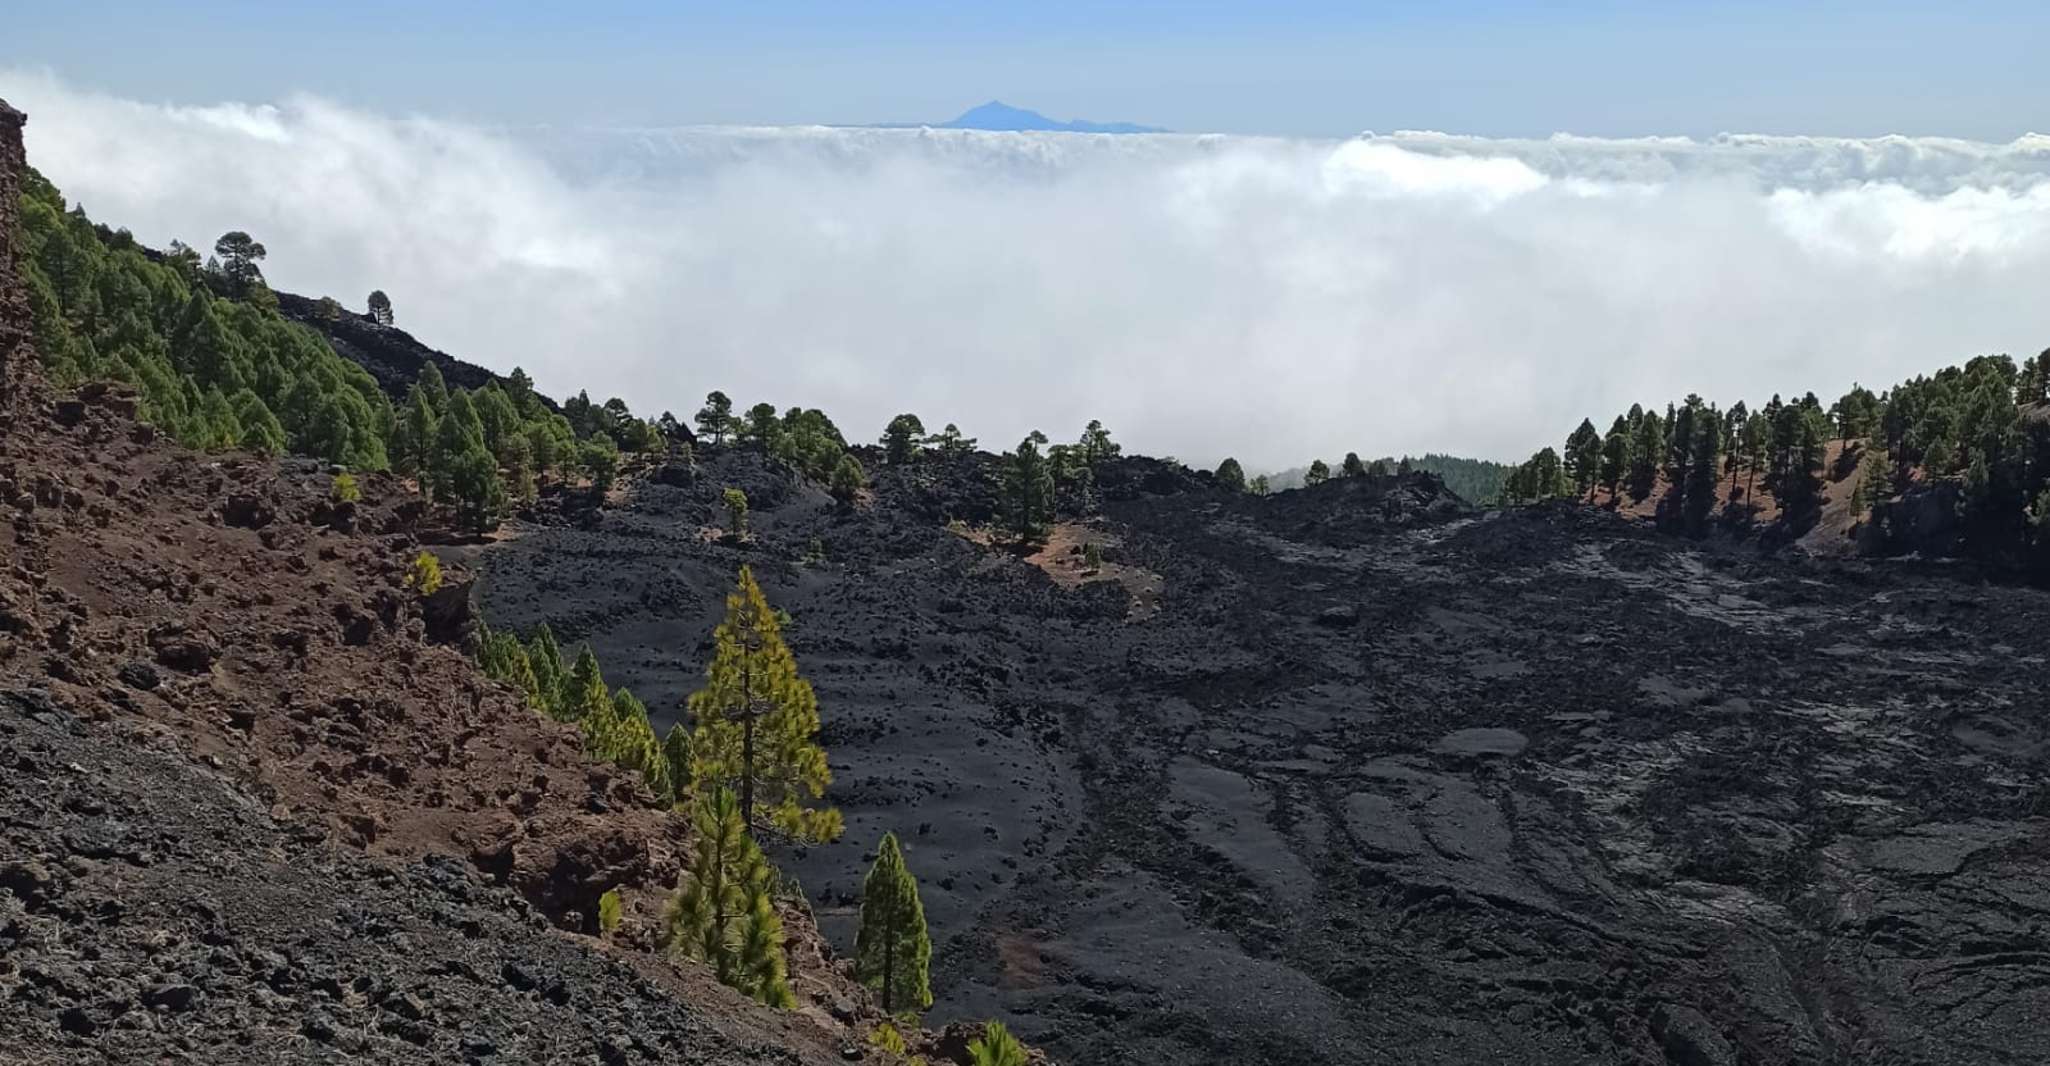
x=1277, y=299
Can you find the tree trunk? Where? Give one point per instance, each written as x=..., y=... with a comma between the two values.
x=889, y=963
x=747, y=746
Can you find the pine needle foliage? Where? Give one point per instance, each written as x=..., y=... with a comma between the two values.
x=722, y=913
x=757, y=723
x=997, y=1047
x=893, y=950
x=423, y=575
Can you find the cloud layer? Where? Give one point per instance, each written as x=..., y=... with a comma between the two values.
x=1203, y=295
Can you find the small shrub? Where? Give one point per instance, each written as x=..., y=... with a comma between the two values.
x=424, y=575
x=1092, y=556
x=608, y=912
x=997, y=1048
x=345, y=488
x=736, y=511
x=886, y=1037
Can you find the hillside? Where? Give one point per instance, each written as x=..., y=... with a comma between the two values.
x=390, y=354
x=1353, y=773
x=260, y=806
x=1350, y=773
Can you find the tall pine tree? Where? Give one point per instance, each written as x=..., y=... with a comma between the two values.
x=893, y=951
x=757, y=724
x=722, y=913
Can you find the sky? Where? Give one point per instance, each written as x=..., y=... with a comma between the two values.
x=1283, y=67
x=648, y=207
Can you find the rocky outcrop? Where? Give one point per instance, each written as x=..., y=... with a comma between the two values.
x=15, y=324
x=389, y=353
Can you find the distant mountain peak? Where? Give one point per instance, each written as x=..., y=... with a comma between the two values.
x=997, y=115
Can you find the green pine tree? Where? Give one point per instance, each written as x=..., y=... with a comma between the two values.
x=584, y=695
x=676, y=752
x=757, y=724
x=848, y=479
x=634, y=745
x=1028, y=491
x=722, y=913
x=544, y=657
x=1231, y=476
x=901, y=439
x=1584, y=458
x=893, y=951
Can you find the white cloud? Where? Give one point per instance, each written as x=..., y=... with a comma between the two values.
x=1272, y=298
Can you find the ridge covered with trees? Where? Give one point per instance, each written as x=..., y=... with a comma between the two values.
x=1959, y=459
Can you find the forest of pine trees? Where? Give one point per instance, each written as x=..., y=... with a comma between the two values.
x=1979, y=434
x=216, y=366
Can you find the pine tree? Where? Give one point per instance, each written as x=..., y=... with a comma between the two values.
x=951, y=443
x=1584, y=457
x=762, y=964
x=1615, y=455
x=722, y=913
x=893, y=951
x=1756, y=445
x=901, y=439
x=761, y=426
x=1028, y=491
x=757, y=724
x=1318, y=473
x=715, y=419
x=997, y=1047
x=585, y=698
x=676, y=752
x=736, y=511
x=544, y=657
x=380, y=307
x=457, y=433
x=1352, y=466
x=848, y=479
x=474, y=485
x=634, y=745
x=1800, y=484
x=1231, y=476
x=1648, y=444
x=413, y=437
x=1872, y=474
x=1096, y=445
x=1704, y=471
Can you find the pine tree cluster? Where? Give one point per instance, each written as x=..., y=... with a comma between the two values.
x=1982, y=428
x=614, y=724
x=217, y=366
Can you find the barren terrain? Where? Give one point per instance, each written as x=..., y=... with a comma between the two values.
x=1380, y=778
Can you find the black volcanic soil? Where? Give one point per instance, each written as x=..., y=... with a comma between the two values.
x=1379, y=779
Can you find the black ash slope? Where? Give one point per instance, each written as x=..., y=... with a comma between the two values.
x=1383, y=779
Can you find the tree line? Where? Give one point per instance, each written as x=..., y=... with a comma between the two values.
x=1477, y=480
x=214, y=363
x=1979, y=432
x=483, y=449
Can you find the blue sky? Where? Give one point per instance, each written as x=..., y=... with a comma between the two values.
x=1611, y=69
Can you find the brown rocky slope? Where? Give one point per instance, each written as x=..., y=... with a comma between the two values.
x=254, y=807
